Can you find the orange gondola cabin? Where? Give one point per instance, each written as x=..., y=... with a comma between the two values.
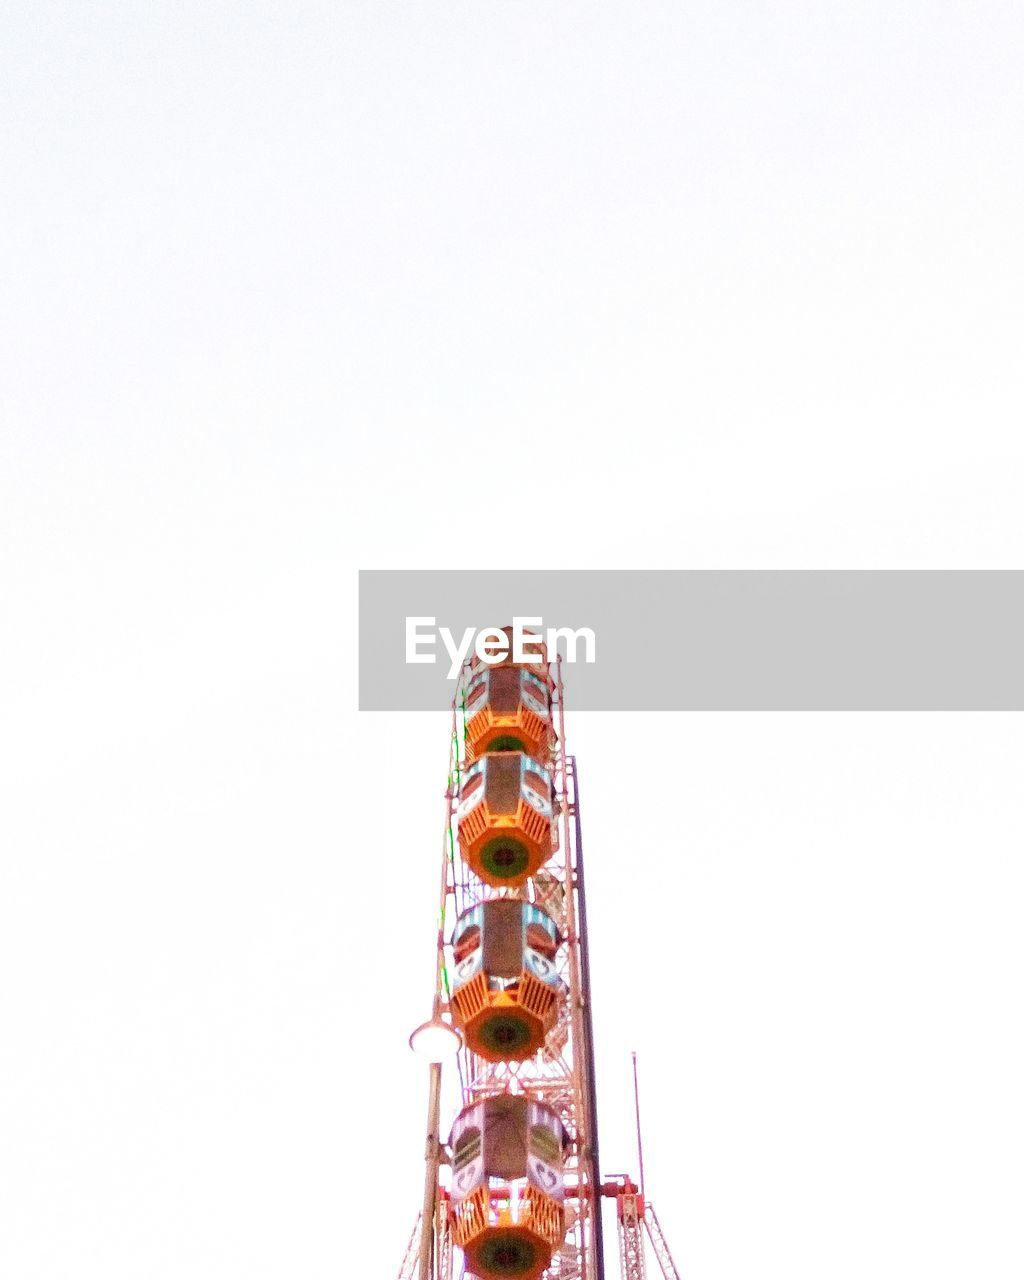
x=506, y=991
x=506, y=817
x=508, y=708
x=508, y=1186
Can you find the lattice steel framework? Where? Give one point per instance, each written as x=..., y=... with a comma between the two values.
x=632, y=1263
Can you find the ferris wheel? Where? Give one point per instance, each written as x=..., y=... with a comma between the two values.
x=512, y=1185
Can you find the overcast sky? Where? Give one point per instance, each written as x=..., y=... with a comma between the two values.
x=291, y=290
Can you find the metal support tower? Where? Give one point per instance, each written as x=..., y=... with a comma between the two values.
x=631, y=1239
x=661, y=1250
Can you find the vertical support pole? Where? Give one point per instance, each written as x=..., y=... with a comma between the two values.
x=639, y=1139
x=432, y=1154
x=589, y=1203
x=432, y=1158
x=588, y=1026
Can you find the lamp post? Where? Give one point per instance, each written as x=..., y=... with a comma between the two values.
x=435, y=1041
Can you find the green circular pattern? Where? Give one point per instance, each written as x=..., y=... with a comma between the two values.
x=506, y=742
x=505, y=1033
x=505, y=858
x=508, y=1256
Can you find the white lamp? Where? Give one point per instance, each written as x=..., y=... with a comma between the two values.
x=436, y=1040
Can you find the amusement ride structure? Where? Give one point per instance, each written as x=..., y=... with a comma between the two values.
x=514, y=1190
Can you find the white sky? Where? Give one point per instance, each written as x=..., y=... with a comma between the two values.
x=291, y=290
